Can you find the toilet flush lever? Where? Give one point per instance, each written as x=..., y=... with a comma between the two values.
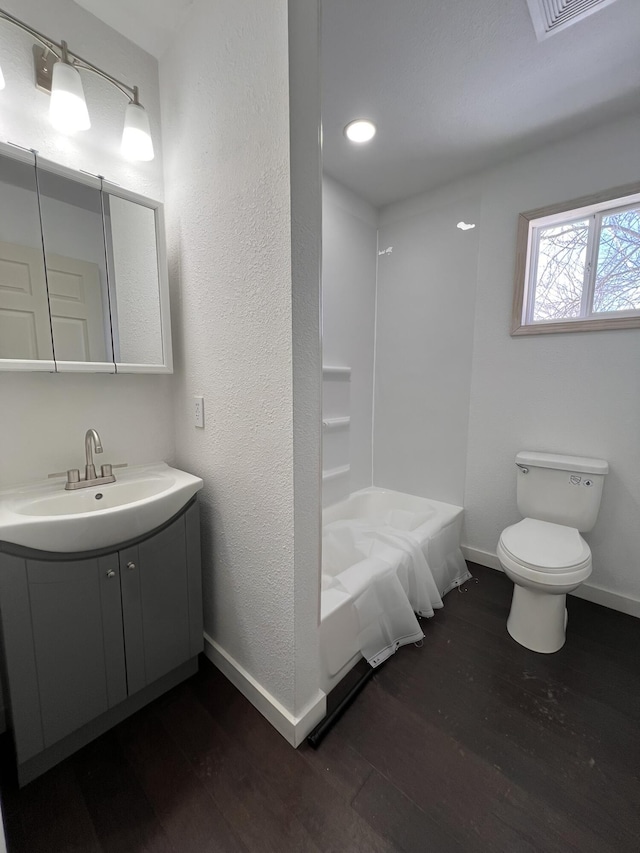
x=522, y=467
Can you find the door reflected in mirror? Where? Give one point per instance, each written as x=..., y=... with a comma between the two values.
x=25, y=330
x=75, y=258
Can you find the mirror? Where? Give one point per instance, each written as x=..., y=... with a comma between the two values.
x=132, y=249
x=75, y=258
x=25, y=330
x=83, y=272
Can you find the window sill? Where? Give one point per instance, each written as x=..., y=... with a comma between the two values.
x=600, y=325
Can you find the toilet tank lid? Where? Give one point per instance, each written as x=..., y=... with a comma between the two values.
x=581, y=464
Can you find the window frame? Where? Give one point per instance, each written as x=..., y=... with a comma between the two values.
x=614, y=200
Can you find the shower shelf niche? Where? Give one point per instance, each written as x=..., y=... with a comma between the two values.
x=336, y=422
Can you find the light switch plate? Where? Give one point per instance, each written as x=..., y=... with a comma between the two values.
x=198, y=412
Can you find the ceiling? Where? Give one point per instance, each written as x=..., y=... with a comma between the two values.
x=457, y=86
x=453, y=87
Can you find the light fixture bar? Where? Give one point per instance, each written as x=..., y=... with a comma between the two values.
x=68, y=110
x=57, y=49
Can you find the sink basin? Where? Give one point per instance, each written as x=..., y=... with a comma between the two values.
x=46, y=517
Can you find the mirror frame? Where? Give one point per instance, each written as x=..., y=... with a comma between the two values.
x=105, y=188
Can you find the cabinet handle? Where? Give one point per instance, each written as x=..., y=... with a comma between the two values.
x=131, y=566
x=111, y=573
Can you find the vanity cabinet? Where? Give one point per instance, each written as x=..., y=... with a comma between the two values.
x=91, y=638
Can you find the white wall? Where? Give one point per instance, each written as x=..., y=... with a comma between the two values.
x=230, y=204
x=569, y=393
x=424, y=340
x=43, y=418
x=349, y=254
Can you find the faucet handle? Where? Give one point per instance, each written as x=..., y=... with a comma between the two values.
x=72, y=475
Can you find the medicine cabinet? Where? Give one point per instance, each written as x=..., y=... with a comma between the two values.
x=83, y=272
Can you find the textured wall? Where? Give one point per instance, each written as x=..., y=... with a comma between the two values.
x=43, y=417
x=424, y=341
x=349, y=245
x=575, y=393
x=225, y=91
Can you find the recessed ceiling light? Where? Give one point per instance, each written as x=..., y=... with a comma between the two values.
x=465, y=226
x=360, y=130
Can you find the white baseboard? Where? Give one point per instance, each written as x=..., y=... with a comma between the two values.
x=613, y=600
x=293, y=729
x=589, y=592
x=484, y=558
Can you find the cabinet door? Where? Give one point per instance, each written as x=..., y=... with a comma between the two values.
x=155, y=606
x=77, y=639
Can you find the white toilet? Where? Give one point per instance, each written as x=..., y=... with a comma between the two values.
x=544, y=554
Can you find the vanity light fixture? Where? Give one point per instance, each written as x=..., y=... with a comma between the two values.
x=360, y=130
x=68, y=111
x=56, y=69
x=136, y=136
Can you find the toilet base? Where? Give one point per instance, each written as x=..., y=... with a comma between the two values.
x=537, y=620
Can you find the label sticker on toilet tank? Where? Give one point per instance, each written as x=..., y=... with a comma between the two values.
x=575, y=480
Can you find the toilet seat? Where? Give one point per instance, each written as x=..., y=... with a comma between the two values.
x=541, y=546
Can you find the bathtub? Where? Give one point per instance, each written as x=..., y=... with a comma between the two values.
x=386, y=556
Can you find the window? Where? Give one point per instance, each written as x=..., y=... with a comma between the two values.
x=578, y=265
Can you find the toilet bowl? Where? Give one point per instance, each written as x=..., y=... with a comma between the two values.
x=545, y=561
x=544, y=554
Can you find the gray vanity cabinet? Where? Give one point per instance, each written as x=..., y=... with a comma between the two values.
x=76, y=622
x=155, y=605
x=89, y=639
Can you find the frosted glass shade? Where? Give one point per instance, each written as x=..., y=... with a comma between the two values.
x=136, y=136
x=1, y=79
x=68, y=109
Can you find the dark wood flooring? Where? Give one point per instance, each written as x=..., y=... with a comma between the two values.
x=470, y=743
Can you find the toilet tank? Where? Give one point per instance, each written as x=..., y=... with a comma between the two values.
x=561, y=489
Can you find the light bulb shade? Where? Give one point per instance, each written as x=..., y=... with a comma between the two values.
x=1, y=79
x=136, y=136
x=68, y=109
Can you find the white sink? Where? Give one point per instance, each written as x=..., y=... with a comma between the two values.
x=46, y=517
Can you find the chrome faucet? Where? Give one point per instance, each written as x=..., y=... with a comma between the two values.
x=92, y=442
x=91, y=437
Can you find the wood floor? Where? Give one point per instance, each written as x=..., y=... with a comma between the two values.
x=470, y=743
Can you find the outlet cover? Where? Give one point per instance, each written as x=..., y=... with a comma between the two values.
x=198, y=412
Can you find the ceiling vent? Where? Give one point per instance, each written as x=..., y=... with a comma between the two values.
x=551, y=16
